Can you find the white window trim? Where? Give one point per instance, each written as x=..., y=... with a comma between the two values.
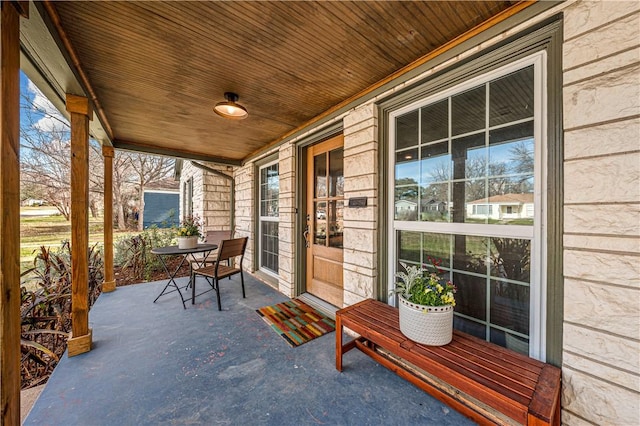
x=538, y=293
x=262, y=219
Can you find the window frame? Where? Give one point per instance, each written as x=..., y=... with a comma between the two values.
x=187, y=198
x=538, y=292
x=261, y=219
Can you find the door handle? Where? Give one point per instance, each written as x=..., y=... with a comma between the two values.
x=306, y=236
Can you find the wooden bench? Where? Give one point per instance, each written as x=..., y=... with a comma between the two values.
x=488, y=383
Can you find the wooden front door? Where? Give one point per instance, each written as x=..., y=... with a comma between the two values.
x=324, y=227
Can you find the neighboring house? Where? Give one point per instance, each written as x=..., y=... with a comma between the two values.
x=161, y=208
x=502, y=207
x=406, y=206
x=434, y=206
x=31, y=202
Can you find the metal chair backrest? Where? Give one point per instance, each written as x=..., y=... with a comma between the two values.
x=230, y=249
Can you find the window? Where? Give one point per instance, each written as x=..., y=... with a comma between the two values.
x=473, y=149
x=268, y=219
x=187, y=198
x=482, y=209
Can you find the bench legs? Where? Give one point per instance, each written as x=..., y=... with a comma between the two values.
x=338, y=343
x=342, y=348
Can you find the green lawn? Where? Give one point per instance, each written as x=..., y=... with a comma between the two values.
x=50, y=231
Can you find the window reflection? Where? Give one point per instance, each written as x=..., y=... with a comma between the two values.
x=436, y=247
x=510, y=306
x=320, y=236
x=269, y=185
x=409, y=246
x=471, y=296
x=269, y=191
x=434, y=205
x=468, y=111
x=511, y=259
x=470, y=158
x=336, y=175
x=435, y=121
x=435, y=163
x=269, y=246
x=407, y=130
x=511, y=149
x=511, y=97
x=320, y=170
x=336, y=227
x=328, y=208
x=406, y=203
x=407, y=166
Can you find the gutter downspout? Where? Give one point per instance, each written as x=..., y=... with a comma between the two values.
x=233, y=189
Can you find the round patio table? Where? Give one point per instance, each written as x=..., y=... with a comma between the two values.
x=163, y=252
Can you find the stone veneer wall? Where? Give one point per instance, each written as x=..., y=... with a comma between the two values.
x=361, y=223
x=287, y=217
x=601, y=67
x=211, y=195
x=245, y=210
x=601, y=356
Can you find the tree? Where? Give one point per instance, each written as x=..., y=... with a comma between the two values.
x=121, y=186
x=45, y=152
x=45, y=163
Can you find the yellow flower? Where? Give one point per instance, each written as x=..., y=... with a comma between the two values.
x=448, y=299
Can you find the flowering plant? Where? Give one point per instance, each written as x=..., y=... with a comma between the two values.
x=190, y=227
x=421, y=286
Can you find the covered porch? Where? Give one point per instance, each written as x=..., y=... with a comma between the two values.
x=145, y=77
x=156, y=363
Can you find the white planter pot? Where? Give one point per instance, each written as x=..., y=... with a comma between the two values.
x=429, y=325
x=187, y=242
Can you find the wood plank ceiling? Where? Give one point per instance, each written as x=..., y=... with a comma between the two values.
x=157, y=68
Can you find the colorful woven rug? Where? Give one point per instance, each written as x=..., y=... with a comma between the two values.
x=296, y=321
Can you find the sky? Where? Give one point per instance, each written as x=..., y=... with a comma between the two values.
x=47, y=116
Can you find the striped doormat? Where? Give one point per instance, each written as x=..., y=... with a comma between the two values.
x=296, y=321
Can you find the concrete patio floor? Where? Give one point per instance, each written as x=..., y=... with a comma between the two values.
x=157, y=363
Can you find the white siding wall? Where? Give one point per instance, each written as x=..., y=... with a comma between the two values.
x=245, y=209
x=601, y=357
x=217, y=200
x=287, y=213
x=361, y=223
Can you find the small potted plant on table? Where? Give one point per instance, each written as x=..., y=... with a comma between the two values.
x=189, y=232
x=426, y=305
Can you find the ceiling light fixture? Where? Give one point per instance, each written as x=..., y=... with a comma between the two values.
x=230, y=109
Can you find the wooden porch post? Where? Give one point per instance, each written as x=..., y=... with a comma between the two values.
x=80, y=339
x=109, y=282
x=10, y=210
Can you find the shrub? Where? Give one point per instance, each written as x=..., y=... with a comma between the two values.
x=45, y=309
x=135, y=252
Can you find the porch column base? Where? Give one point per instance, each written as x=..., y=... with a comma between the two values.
x=108, y=286
x=79, y=345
